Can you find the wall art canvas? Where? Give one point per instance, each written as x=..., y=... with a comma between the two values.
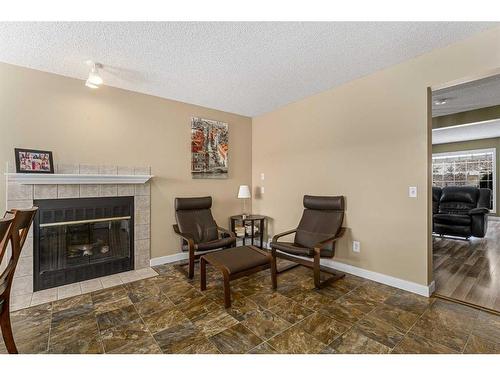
x=209, y=148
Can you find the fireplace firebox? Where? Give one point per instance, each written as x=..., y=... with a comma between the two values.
x=82, y=238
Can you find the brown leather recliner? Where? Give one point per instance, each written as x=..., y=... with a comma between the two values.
x=315, y=237
x=198, y=229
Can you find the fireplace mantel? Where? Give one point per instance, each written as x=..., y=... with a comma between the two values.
x=75, y=179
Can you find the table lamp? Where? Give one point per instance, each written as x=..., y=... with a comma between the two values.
x=244, y=193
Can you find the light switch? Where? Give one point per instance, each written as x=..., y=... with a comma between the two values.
x=262, y=177
x=412, y=192
x=262, y=189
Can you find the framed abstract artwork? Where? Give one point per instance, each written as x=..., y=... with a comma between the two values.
x=209, y=148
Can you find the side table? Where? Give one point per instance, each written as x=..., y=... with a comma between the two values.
x=251, y=220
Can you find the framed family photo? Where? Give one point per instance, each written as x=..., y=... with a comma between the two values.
x=33, y=161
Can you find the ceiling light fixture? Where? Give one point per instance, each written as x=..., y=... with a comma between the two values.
x=94, y=80
x=440, y=101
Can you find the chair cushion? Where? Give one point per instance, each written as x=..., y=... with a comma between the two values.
x=195, y=203
x=291, y=248
x=318, y=202
x=211, y=245
x=198, y=223
x=238, y=259
x=458, y=200
x=296, y=249
x=451, y=219
x=318, y=225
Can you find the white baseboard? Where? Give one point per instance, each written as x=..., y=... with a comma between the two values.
x=167, y=259
x=423, y=290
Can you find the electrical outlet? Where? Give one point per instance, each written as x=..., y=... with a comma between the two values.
x=356, y=246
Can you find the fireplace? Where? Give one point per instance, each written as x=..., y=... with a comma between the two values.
x=82, y=238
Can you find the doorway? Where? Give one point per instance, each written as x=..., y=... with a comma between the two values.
x=465, y=198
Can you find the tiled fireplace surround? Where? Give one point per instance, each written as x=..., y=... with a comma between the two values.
x=22, y=196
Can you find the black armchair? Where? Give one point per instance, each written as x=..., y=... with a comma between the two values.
x=460, y=211
x=198, y=229
x=315, y=237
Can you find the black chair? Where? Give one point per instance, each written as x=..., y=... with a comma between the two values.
x=14, y=229
x=315, y=236
x=460, y=211
x=198, y=229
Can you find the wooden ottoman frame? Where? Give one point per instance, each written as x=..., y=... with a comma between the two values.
x=212, y=259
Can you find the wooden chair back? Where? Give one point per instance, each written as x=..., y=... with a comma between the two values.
x=14, y=229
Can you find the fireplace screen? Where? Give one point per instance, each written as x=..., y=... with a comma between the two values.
x=75, y=242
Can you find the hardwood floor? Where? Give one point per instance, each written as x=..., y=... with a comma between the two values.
x=469, y=270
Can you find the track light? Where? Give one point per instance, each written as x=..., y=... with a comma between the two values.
x=94, y=80
x=441, y=101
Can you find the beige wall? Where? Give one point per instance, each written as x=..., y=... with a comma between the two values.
x=367, y=140
x=474, y=145
x=467, y=117
x=117, y=127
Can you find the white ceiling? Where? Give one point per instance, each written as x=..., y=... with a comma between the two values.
x=466, y=97
x=468, y=132
x=246, y=68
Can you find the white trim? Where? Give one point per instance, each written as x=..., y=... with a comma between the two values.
x=175, y=257
x=486, y=74
x=75, y=179
x=443, y=128
x=475, y=152
x=410, y=286
x=158, y=261
x=423, y=290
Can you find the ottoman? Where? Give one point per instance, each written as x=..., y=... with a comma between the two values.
x=234, y=263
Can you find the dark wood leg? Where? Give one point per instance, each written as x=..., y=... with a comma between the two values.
x=191, y=264
x=317, y=271
x=6, y=327
x=227, y=292
x=261, y=234
x=253, y=234
x=203, y=274
x=274, y=278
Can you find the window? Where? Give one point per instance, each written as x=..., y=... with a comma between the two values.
x=466, y=168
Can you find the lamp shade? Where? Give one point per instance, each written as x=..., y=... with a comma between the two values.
x=244, y=191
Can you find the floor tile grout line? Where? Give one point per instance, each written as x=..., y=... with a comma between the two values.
x=146, y=326
x=295, y=324
x=50, y=325
x=413, y=325
x=446, y=346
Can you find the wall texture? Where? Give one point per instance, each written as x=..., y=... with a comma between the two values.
x=117, y=127
x=474, y=145
x=369, y=141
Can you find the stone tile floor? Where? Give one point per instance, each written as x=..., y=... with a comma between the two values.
x=168, y=314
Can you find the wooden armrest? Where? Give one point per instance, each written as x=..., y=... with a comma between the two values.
x=185, y=236
x=275, y=238
x=224, y=230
